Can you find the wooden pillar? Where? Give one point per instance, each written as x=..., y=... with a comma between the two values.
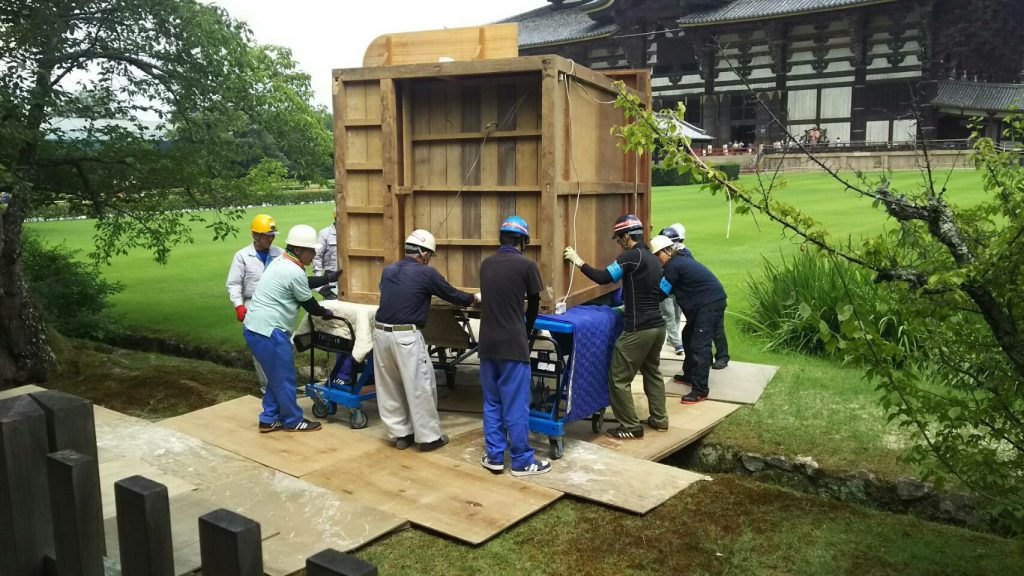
x=25, y=533
x=77, y=513
x=230, y=544
x=70, y=424
x=144, y=527
x=333, y=563
x=860, y=61
x=709, y=117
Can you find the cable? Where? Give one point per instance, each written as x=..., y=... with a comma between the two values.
x=576, y=174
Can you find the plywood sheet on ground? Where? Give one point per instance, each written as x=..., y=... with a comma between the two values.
x=232, y=425
x=119, y=468
x=595, y=473
x=309, y=518
x=686, y=425
x=739, y=383
x=434, y=491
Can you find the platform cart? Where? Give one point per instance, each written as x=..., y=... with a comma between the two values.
x=450, y=339
x=326, y=398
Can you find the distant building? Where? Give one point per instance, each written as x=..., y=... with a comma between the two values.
x=846, y=70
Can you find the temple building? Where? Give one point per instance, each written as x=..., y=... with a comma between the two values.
x=840, y=70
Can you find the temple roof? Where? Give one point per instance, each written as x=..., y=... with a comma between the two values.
x=556, y=25
x=980, y=96
x=759, y=9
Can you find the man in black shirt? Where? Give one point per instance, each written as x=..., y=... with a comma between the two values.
x=702, y=298
x=506, y=280
x=403, y=372
x=639, y=347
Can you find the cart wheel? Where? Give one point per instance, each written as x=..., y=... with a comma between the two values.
x=597, y=421
x=557, y=446
x=358, y=419
x=320, y=409
x=449, y=376
x=332, y=408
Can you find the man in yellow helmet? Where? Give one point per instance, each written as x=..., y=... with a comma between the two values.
x=247, y=268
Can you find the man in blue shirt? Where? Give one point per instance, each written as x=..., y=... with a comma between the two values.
x=404, y=374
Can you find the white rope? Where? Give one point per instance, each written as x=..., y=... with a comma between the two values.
x=579, y=187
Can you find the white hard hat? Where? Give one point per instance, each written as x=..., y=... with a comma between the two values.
x=302, y=236
x=680, y=229
x=423, y=239
x=659, y=243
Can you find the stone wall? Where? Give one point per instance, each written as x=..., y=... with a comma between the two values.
x=868, y=161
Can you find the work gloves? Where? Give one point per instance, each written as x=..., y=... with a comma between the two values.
x=327, y=315
x=571, y=255
x=332, y=275
x=240, y=313
x=476, y=299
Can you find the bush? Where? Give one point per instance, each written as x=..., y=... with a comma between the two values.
x=73, y=294
x=662, y=176
x=732, y=170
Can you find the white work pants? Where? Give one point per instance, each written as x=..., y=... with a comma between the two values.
x=406, y=390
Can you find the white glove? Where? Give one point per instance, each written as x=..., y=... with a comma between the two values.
x=476, y=298
x=571, y=255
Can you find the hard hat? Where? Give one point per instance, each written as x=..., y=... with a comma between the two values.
x=671, y=233
x=423, y=239
x=302, y=236
x=680, y=229
x=660, y=242
x=264, y=224
x=516, y=225
x=627, y=224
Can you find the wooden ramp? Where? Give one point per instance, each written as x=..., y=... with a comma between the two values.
x=738, y=383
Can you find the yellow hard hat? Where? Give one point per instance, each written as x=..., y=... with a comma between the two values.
x=264, y=224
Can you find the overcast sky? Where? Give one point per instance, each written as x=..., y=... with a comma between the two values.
x=324, y=35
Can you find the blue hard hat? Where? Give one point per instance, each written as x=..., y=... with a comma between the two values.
x=671, y=233
x=516, y=225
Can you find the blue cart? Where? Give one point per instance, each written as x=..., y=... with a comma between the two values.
x=326, y=398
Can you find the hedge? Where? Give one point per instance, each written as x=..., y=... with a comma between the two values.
x=662, y=176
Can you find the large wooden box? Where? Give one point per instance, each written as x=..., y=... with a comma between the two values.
x=456, y=147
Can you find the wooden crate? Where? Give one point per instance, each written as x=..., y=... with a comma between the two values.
x=456, y=147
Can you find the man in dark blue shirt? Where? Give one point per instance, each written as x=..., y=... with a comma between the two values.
x=702, y=298
x=404, y=374
x=639, y=346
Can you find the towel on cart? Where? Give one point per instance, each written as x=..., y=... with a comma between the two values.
x=359, y=315
x=595, y=330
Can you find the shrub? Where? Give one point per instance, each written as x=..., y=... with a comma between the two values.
x=662, y=176
x=732, y=170
x=73, y=294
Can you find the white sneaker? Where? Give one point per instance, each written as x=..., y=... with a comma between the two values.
x=496, y=467
x=535, y=467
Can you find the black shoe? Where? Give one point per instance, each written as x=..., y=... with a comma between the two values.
x=682, y=379
x=533, y=468
x=693, y=398
x=720, y=363
x=264, y=428
x=494, y=467
x=428, y=446
x=623, y=433
x=657, y=426
x=404, y=442
x=305, y=426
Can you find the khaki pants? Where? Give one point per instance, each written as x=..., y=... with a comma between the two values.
x=406, y=390
x=638, y=351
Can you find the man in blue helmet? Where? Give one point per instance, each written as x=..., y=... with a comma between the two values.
x=507, y=279
x=639, y=347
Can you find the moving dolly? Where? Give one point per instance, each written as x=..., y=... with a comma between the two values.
x=326, y=398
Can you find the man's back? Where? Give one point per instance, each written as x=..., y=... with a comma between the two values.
x=506, y=279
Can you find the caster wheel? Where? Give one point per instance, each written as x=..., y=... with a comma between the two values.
x=320, y=409
x=358, y=419
x=557, y=447
x=332, y=408
x=597, y=421
x=449, y=376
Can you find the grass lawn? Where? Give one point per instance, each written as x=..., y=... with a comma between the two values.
x=813, y=407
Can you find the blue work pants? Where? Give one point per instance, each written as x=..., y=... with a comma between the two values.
x=275, y=356
x=506, y=387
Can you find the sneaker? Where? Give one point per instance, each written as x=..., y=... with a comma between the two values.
x=720, y=363
x=429, y=446
x=305, y=426
x=654, y=424
x=693, y=398
x=404, y=442
x=623, y=433
x=339, y=384
x=264, y=428
x=682, y=379
x=535, y=467
x=493, y=466
x=679, y=350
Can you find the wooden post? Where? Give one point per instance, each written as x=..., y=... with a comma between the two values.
x=69, y=422
x=77, y=513
x=230, y=544
x=330, y=562
x=144, y=527
x=25, y=534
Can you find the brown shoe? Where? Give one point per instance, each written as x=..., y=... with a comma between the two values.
x=657, y=425
x=305, y=426
x=429, y=446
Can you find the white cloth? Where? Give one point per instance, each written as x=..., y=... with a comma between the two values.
x=359, y=315
x=326, y=251
x=406, y=390
x=245, y=273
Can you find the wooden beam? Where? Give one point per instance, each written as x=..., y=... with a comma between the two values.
x=26, y=536
x=366, y=252
x=572, y=188
x=465, y=189
x=365, y=209
x=69, y=422
x=364, y=166
x=76, y=511
x=230, y=543
x=391, y=152
x=144, y=527
x=331, y=562
x=478, y=135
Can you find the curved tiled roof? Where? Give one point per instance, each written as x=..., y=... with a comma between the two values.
x=757, y=9
x=981, y=96
x=551, y=25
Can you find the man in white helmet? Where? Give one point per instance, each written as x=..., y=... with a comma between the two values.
x=282, y=290
x=404, y=374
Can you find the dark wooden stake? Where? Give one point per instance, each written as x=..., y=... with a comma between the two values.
x=330, y=562
x=77, y=512
x=69, y=422
x=230, y=544
x=25, y=533
x=144, y=527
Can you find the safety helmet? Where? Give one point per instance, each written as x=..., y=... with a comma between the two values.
x=302, y=236
x=671, y=233
x=264, y=224
x=422, y=239
x=627, y=224
x=680, y=229
x=660, y=242
x=516, y=225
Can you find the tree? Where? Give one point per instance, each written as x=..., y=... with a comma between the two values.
x=136, y=109
x=957, y=274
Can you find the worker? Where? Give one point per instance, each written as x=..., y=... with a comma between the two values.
x=404, y=374
x=721, y=355
x=670, y=311
x=283, y=289
x=247, y=267
x=639, y=346
x=507, y=279
x=702, y=298
x=326, y=258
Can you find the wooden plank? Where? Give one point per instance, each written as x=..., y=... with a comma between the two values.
x=356, y=166
x=739, y=383
x=365, y=210
x=26, y=535
x=495, y=135
x=461, y=500
x=75, y=513
x=144, y=527
x=470, y=43
x=468, y=242
x=230, y=544
x=390, y=179
x=469, y=189
x=341, y=183
x=552, y=266
x=69, y=422
x=12, y=392
x=357, y=122
x=117, y=469
x=331, y=562
x=571, y=188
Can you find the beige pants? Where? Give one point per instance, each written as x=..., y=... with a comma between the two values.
x=406, y=390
